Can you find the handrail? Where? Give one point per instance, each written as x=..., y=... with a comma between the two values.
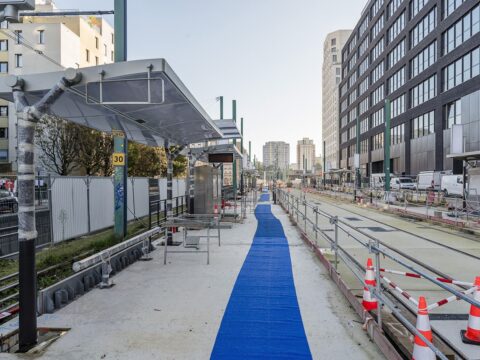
x=291, y=204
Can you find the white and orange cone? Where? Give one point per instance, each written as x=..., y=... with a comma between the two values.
x=472, y=334
x=369, y=303
x=420, y=349
x=215, y=209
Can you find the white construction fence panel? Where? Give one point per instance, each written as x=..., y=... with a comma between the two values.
x=101, y=203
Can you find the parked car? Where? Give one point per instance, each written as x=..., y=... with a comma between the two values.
x=8, y=202
x=377, y=181
x=402, y=183
x=452, y=185
x=430, y=180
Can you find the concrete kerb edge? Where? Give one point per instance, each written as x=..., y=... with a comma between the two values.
x=372, y=328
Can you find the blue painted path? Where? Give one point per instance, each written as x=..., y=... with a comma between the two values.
x=265, y=197
x=262, y=319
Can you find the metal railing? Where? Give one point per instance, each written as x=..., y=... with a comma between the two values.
x=297, y=207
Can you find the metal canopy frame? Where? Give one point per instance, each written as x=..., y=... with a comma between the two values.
x=229, y=128
x=466, y=156
x=201, y=153
x=144, y=98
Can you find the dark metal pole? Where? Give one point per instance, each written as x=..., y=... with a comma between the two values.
x=386, y=161
x=234, y=166
x=324, y=164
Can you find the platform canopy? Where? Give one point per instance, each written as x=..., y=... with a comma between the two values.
x=466, y=156
x=143, y=98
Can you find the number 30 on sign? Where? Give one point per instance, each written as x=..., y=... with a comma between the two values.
x=118, y=159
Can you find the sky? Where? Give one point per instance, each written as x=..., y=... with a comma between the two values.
x=266, y=54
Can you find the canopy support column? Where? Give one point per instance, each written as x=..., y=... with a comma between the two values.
x=28, y=117
x=171, y=156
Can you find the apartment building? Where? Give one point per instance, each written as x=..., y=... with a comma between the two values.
x=424, y=57
x=305, y=154
x=44, y=44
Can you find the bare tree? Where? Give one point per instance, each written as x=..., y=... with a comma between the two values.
x=95, y=151
x=57, y=140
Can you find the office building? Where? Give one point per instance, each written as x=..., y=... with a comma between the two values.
x=331, y=77
x=276, y=155
x=45, y=44
x=424, y=57
x=305, y=154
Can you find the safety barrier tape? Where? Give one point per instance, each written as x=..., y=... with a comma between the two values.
x=416, y=276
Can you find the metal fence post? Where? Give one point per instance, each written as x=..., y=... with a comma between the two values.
x=158, y=212
x=316, y=223
x=334, y=221
x=50, y=207
x=379, y=284
x=305, y=201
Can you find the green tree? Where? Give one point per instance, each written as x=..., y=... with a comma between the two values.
x=144, y=161
x=57, y=140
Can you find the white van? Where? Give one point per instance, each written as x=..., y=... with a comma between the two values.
x=377, y=181
x=425, y=179
x=402, y=183
x=452, y=185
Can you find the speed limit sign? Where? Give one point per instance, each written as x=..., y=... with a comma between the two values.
x=118, y=159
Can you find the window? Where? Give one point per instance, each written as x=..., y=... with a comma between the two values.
x=352, y=79
x=352, y=132
x=423, y=125
x=18, y=36
x=344, y=120
x=363, y=67
x=398, y=106
x=363, y=47
x=3, y=110
x=344, y=105
x=41, y=36
x=377, y=50
x=352, y=97
x=112, y=40
x=377, y=141
x=18, y=60
x=423, y=28
x=3, y=133
x=449, y=6
x=105, y=51
x=344, y=137
x=396, y=54
x=4, y=24
x=464, y=69
x=416, y=6
x=362, y=88
x=377, y=27
x=453, y=113
x=378, y=95
x=96, y=60
x=378, y=72
x=426, y=58
x=393, y=6
x=112, y=56
x=352, y=44
x=363, y=27
x=378, y=117
x=87, y=55
x=364, y=146
x=353, y=114
x=363, y=107
x=364, y=126
x=333, y=42
x=96, y=42
x=344, y=154
x=396, y=28
x=352, y=62
x=334, y=58
x=343, y=90
x=397, y=134
x=462, y=30
x=376, y=7
x=3, y=45
x=396, y=81
x=3, y=67
x=3, y=154
x=424, y=91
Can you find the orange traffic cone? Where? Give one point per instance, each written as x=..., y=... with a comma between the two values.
x=472, y=334
x=215, y=209
x=369, y=303
x=420, y=349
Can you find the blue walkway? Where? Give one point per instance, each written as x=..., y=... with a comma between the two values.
x=262, y=319
x=265, y=197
